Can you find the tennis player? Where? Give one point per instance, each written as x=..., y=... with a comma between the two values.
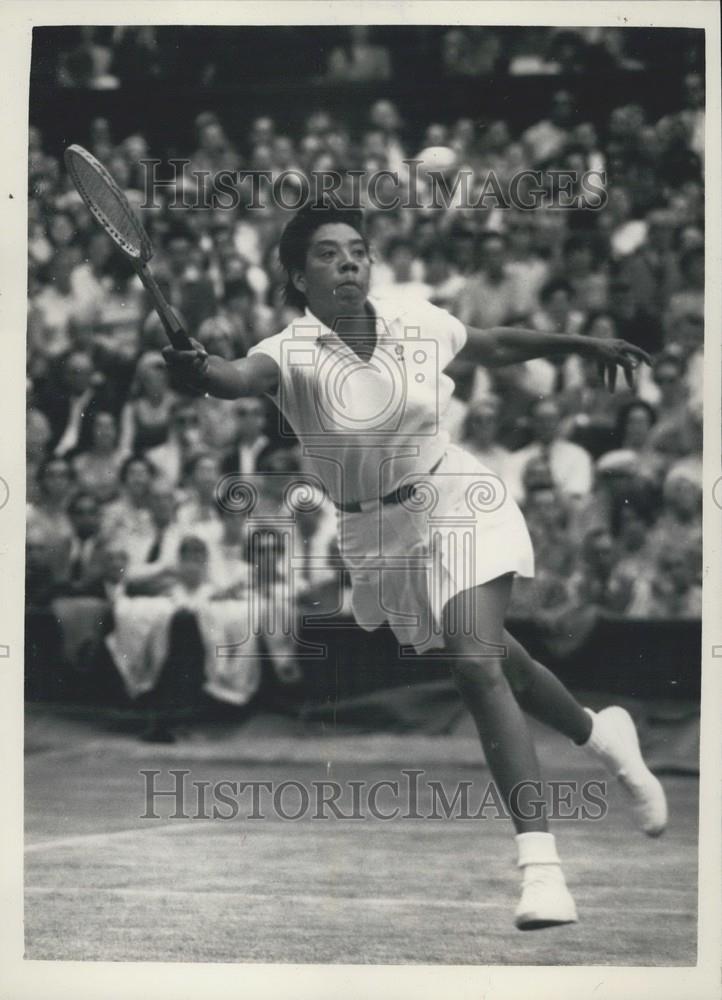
x=362, y=384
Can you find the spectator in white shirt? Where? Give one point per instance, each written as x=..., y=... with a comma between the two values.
x=153, y=571
x=67, y=394
x=404, y=270
x=480, y=430
x=56, y=306
x=489, y=297
x=200, y=514
x=547, y=138
x=444, y=281
x=242, y=457
x=128, y=518
x=184, y=443
x=570, y=465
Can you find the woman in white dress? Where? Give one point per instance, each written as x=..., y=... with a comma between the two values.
x=429, y=535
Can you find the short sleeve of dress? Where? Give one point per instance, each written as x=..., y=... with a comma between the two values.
x=270, y=346
x=450, y=331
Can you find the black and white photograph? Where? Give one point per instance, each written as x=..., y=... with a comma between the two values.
x=366, y=385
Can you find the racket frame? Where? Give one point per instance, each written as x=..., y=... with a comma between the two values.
x=173, y=328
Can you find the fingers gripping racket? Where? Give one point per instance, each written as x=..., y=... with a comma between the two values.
x=111, y=209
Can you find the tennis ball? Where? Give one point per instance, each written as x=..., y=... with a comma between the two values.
x=437, y=158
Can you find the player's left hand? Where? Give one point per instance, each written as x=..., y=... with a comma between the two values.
x=610, y=354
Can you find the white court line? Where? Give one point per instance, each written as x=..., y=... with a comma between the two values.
x=308, y=899
x=243, y=827
x=86, y=839
x=261, y=897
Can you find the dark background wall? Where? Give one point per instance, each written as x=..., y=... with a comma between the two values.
x=243, y=72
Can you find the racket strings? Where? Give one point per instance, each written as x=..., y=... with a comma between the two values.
x=107, y=203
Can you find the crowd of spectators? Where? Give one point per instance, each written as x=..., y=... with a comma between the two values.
x=108, y=58
x=123, y=468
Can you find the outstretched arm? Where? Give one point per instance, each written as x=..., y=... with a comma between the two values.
x=506, y=345
x=200, y=372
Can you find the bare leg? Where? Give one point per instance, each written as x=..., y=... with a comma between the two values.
x=483, y=685
x=543, y=695
x=473, y=625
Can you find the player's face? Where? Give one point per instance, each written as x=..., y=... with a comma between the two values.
x=336, y=277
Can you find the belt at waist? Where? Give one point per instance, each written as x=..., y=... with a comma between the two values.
x=398, y=495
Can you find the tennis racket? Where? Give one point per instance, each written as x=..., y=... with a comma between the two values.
x=111, y=209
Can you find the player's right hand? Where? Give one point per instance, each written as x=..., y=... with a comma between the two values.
x=188, y=368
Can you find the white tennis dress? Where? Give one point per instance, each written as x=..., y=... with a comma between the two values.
x=369, y=427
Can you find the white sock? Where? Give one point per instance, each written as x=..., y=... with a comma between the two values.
x=602, y=746
x=536, y=849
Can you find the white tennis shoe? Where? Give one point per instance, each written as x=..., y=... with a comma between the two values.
x=614, y=740
x=545, y=900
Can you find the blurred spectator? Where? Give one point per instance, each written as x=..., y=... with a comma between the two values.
x=595, y=586
x=97, y=467
x=402, y=263
x=672, y=592
x=680, y=523
x=47, y=518
x=152, y=570
x=633, y=322
x=547, y=138
x=527, y=267
x=127, y=520
x=249, y=320
x=88, y=65
x=633, y=432
x=688, y=300
x=359, y=59
x=229, y=569
x=55, y=307
x=652, y=271
x=632, y=516
x=146, y=417
x=470, y=52
x=674, y=431
x=590, y=413
x=441, y=276
x=557, y=312
x=570, y=465
x=68, y=396
x=555, y=551
x=190, y=290
x=585, y=275
x=184, y=442
x=489, y=296
x=214, y=152
x=37, y=438
x=199, y=514
x=385, y=117
x=86, y=546
x=242, y=457
x=479, y=434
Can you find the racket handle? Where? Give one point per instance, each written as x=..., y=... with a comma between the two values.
x=173, y=328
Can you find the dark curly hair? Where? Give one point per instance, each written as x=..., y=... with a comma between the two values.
x=296, y=238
